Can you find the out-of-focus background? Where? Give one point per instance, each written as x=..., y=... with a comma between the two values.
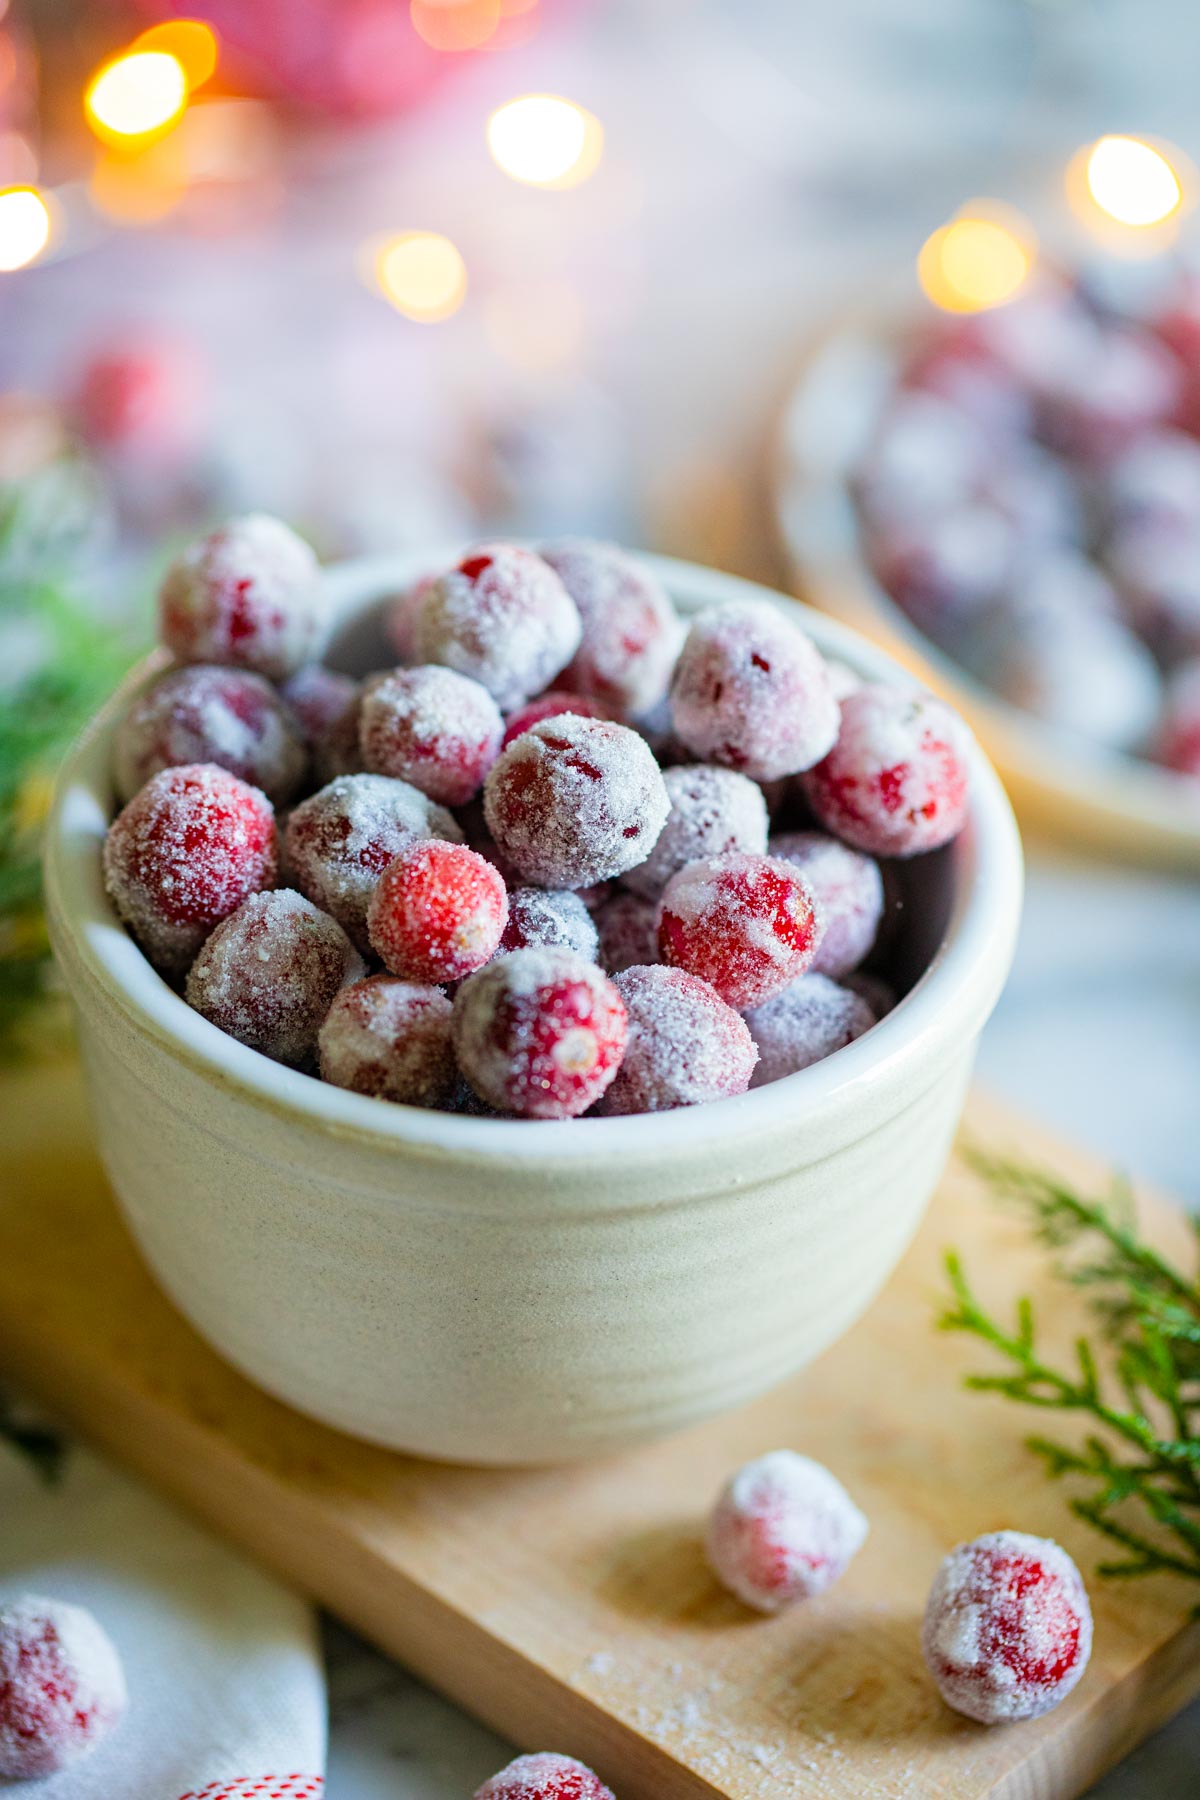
x=415, y=271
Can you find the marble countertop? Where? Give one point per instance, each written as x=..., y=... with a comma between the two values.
x=1098, y=1033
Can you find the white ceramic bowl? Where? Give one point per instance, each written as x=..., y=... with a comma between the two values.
x=1060, y=784
x=499, y=1291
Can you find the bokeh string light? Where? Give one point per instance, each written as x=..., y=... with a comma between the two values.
x=193, y=44
x=545, y=141
x=420, y=273
x=1133, y=181
x=136, y=97
x=979, y=259
x=25, y=227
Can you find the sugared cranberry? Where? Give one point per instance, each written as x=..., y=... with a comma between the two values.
x=555, y=918
x=433, y=727
x=502, y=617
x=269, y=972
x=185, y=852
x=848, y=889
x=341, y=839
x=806, y=1023
x=713, y=812
x=1081, y=672
x=551, y=706
x=1158, y=572
x=944, y=571
x=62, y=1689
x=544, y=1776
x=1008, y=1628
x=400, y=621
x=437, y=912
x=684, y=1045
x=1156, y=483
x=751, y=691
x=539, y=1033
x=929, y=456
x=327, y=706
x=628, y=928
x=390, y=1039
x=747, y=924
x=248, y=596
x=1094, y=406
x=575, y=801
x=631, y=631
x=895, y=783
x=211, y=715
x=1179, y=743
x=784, y=1529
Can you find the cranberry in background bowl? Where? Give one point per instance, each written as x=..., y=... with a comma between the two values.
x=503, y=1291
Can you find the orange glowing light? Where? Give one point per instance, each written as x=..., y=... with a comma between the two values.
x=24, y=227
x=191, y=42
x=140, y=188
x=545, y=141
x=455, y=24
x=421, y=273
x=979, y=259
x=1132, y=181
x=139, y=95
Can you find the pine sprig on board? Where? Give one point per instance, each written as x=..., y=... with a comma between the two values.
x=1140, y=1383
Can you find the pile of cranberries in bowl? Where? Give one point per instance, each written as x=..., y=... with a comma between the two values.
x=568, y=855
x=1030, y=498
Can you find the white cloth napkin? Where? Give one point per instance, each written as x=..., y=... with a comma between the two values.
x=223, y=1665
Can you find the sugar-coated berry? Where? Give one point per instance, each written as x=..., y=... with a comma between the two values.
x=400, y=621
x=544, y=1776
x=433, y=727
x=895, y=783
x=628, y=928
x=783, y=1529
x=437, y=912
x=575, y=801
x=269, y=972
x=390, y=1039
x=62, y=1689
x=183, y=854
x=713, y=812
x=745, y=923
x=684, y=1045
x=319, y=698
x=551, y=706
x=631, y=631
x=503, y=617
x=1158, y=573
x=1179, y=743
x=848, y=889
x=943, y=572
x=539, y=1033
x=1082, y=673
x=248, y=596
x=212, y=715
x=341, y=839
x=806, y=1023
x=1008, y=1628
x=751, y=691
x=553, y=917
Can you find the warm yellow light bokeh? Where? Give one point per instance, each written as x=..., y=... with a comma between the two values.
x=137, y=96
x=24, y=227
x=192, y=43
x=1132, y=182
x=455, y=24
x=421, y=273
x=980, y=259
x=545, y=141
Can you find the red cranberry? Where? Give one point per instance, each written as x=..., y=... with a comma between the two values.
x=784, y=1529
x=437, y=912
x=713, y=812
x=429, y=726
x=1179, y=743
x=1008, y=1628
x=391, y=1040
x=211, y=715
x=539, y=1033
x=555, y=918
x=544, y=1776
x=269, y=972
x=747, y=924
x=186, y=851
x=806, y=1023
x=550, y=706
x=684, y=1045
x=631, y=631
x=503, y=617
x=751, y=691
x=575, y=801
x=895, y=783
x=248, y=596
x=62, y=1689
x=628, y=928
x=848, y=889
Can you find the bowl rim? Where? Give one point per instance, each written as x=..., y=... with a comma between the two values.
x=817, y=522
x=949, y=1002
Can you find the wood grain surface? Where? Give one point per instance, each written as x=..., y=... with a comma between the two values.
x=572, y=1609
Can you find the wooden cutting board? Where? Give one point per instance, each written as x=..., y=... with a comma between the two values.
x=572, y=1609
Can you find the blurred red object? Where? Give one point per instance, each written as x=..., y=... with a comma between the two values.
x=142, y=398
